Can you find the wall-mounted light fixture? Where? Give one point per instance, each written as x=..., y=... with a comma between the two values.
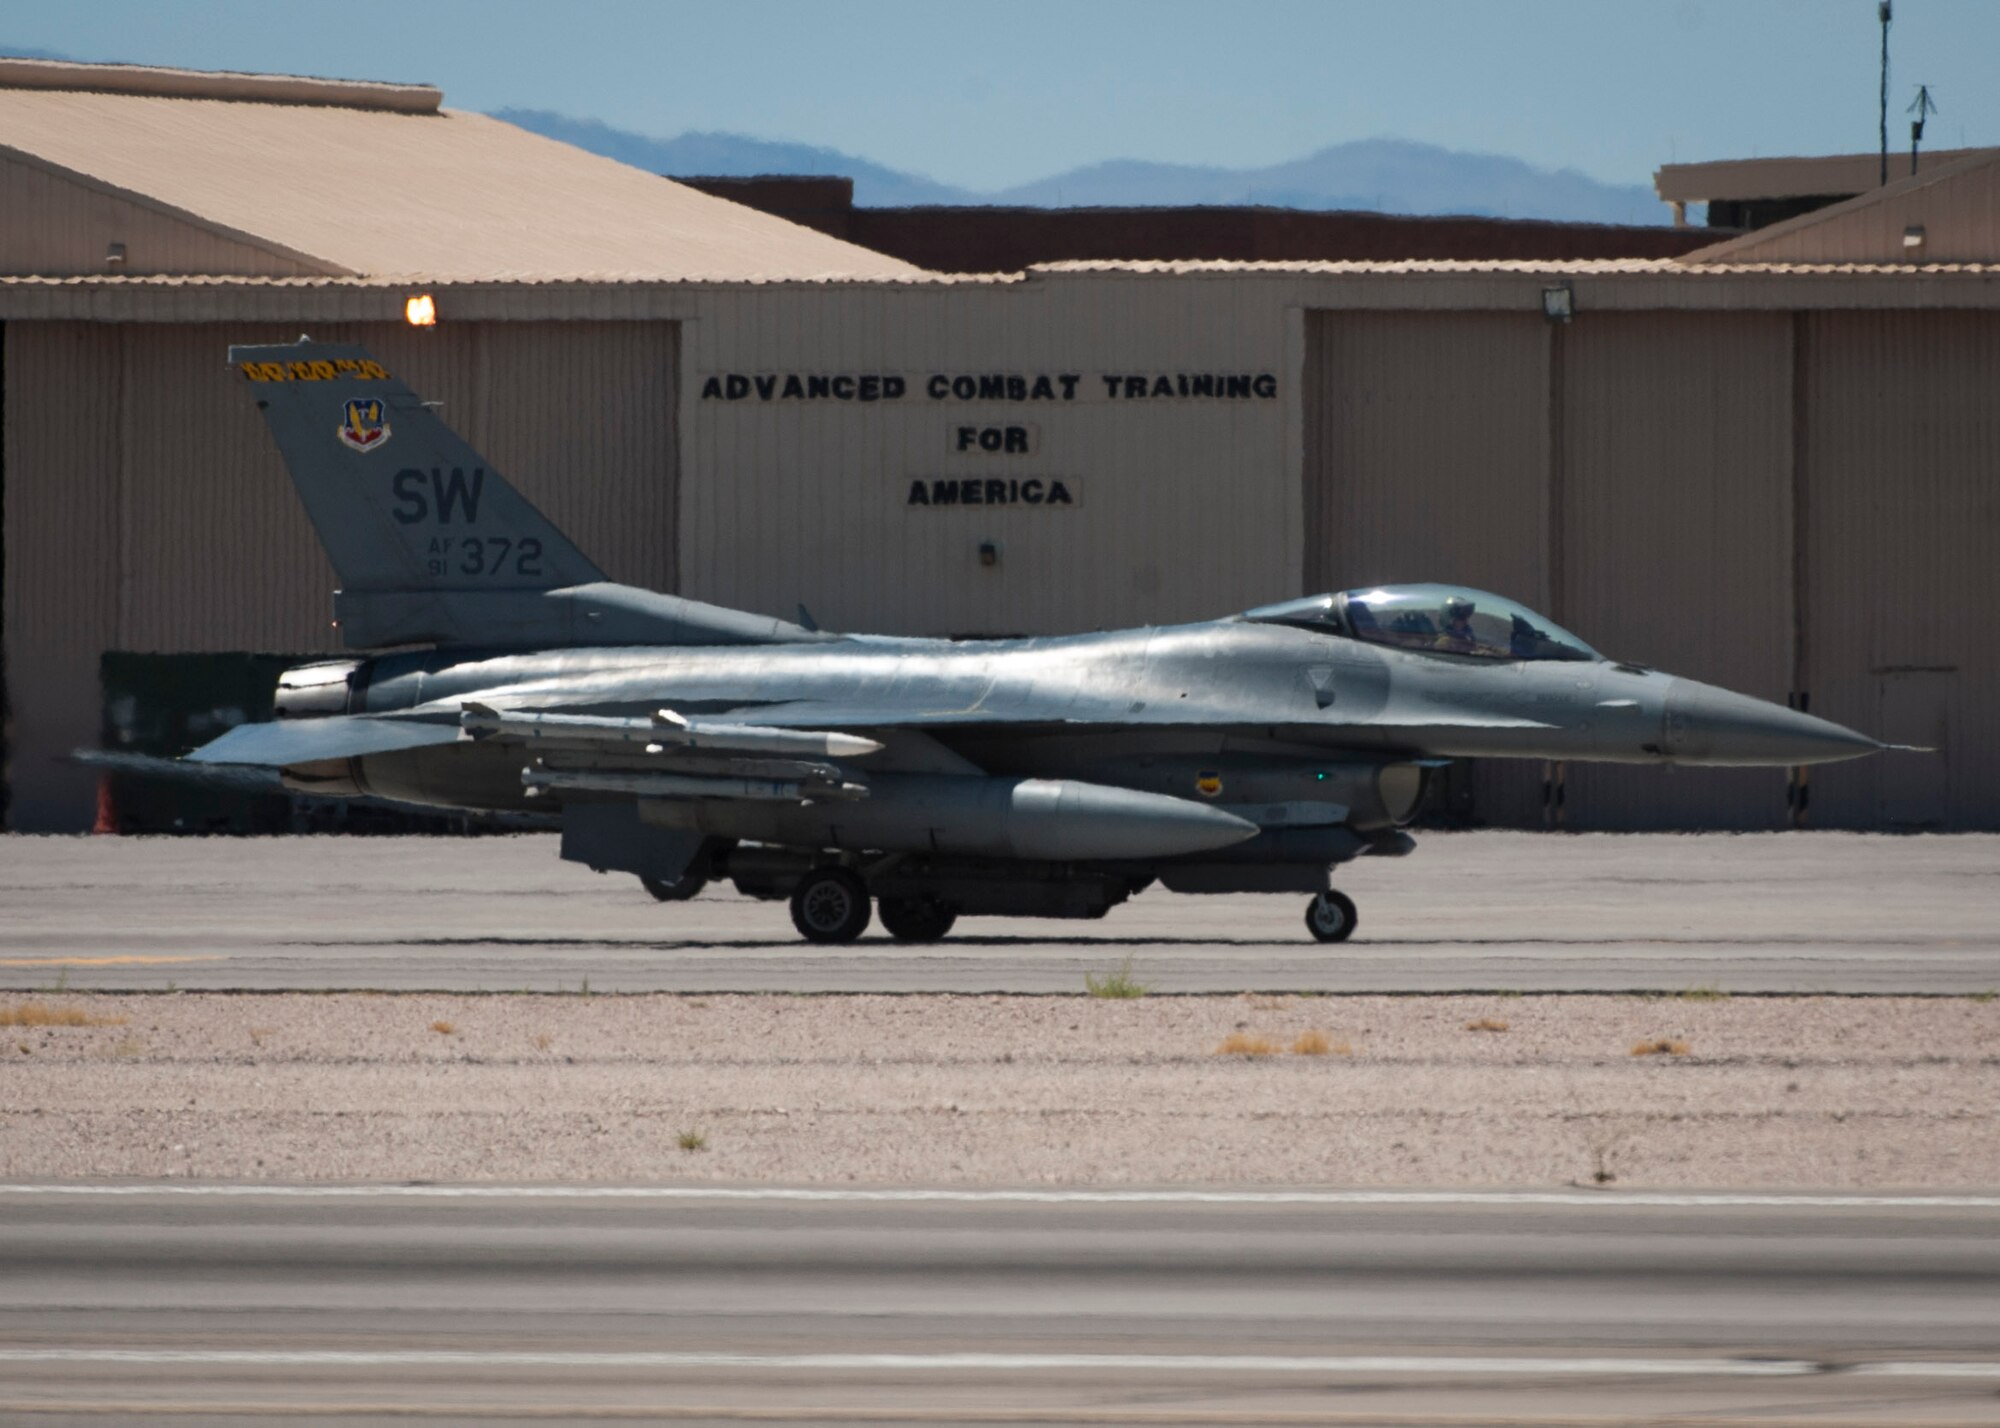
x=989, y=552
x=1558, y=303
x=114, y=255
x=420, y=311
x=1913, y=240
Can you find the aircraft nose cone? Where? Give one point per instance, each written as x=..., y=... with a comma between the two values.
x=1706, y=725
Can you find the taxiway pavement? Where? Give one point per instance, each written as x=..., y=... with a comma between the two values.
x=1815, y=912
x=133, y=1302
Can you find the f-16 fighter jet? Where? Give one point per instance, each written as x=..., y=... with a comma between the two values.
x=921, y=778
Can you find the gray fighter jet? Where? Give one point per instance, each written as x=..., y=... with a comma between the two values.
x=1049, y=777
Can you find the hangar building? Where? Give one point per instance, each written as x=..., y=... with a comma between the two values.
x=1769, y=463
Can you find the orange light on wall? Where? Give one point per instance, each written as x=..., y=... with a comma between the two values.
x=420, y=311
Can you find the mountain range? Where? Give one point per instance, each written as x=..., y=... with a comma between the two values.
x=1379, y=175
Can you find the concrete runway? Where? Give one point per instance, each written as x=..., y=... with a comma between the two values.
x=1820, y=912
x=133, y=1302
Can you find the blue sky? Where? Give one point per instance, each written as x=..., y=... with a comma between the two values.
x=987, y=93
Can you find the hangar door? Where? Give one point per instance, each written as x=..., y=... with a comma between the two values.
x=1427, y=458
x=1676, y=535
x=1629, y=474
x=1902, y=528
x=147, y=510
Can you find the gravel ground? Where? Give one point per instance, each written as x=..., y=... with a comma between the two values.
x=1751, y=1092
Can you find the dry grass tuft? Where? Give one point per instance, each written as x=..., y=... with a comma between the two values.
x=1486, y=1023
x=1665, y=1046
x=258, y=1033
x=1317, y=1043
x=1118, y=985
x=42, y=1014
x=692, y=1140
x=443, y=1028
x=1242, y=1043
x=543, y=1041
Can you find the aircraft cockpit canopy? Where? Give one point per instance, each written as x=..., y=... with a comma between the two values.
x=1441, y=619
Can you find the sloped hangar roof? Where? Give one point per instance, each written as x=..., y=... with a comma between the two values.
x=375, y=180
x=1946, y=214
x=1737, y=179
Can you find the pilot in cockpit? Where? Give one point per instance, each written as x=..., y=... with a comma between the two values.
x=1457, y=637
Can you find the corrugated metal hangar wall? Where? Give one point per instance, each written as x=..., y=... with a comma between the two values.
x=147, y=511
x=1781, y=503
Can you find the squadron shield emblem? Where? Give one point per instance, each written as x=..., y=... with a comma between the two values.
x=1208, y=783
x=362, y=425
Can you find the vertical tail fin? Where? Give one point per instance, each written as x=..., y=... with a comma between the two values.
x=431, y=544
x=400, y=502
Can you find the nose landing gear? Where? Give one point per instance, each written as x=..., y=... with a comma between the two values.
x=1330, y=917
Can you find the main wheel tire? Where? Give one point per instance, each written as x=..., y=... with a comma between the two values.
x=830, y=905
x=916, y=919
x=679, y=889
x=1330, y=917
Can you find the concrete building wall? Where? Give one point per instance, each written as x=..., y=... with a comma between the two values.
x=148, y=511
x=1179, y=506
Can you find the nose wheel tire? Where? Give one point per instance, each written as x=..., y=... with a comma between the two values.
x=675, y=889
x=1330, y=917
x=916, y=919
x=830, y=905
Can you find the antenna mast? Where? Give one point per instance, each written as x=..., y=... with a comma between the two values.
x=1921, y=106
x=1882, y=14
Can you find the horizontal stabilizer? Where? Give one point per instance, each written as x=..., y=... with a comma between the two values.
x=304, y=741
x=232, y=778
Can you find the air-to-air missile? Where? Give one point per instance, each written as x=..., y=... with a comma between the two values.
x=929, y=778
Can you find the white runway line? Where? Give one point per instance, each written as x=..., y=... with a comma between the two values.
x=1469, y=1198
x=1158, y=1363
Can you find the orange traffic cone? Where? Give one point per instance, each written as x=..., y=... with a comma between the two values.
x=107, y=807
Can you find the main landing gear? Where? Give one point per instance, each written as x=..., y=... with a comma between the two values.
x=678, y=889
x=830, y=905
x=1330, y=917
x=916, y=919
